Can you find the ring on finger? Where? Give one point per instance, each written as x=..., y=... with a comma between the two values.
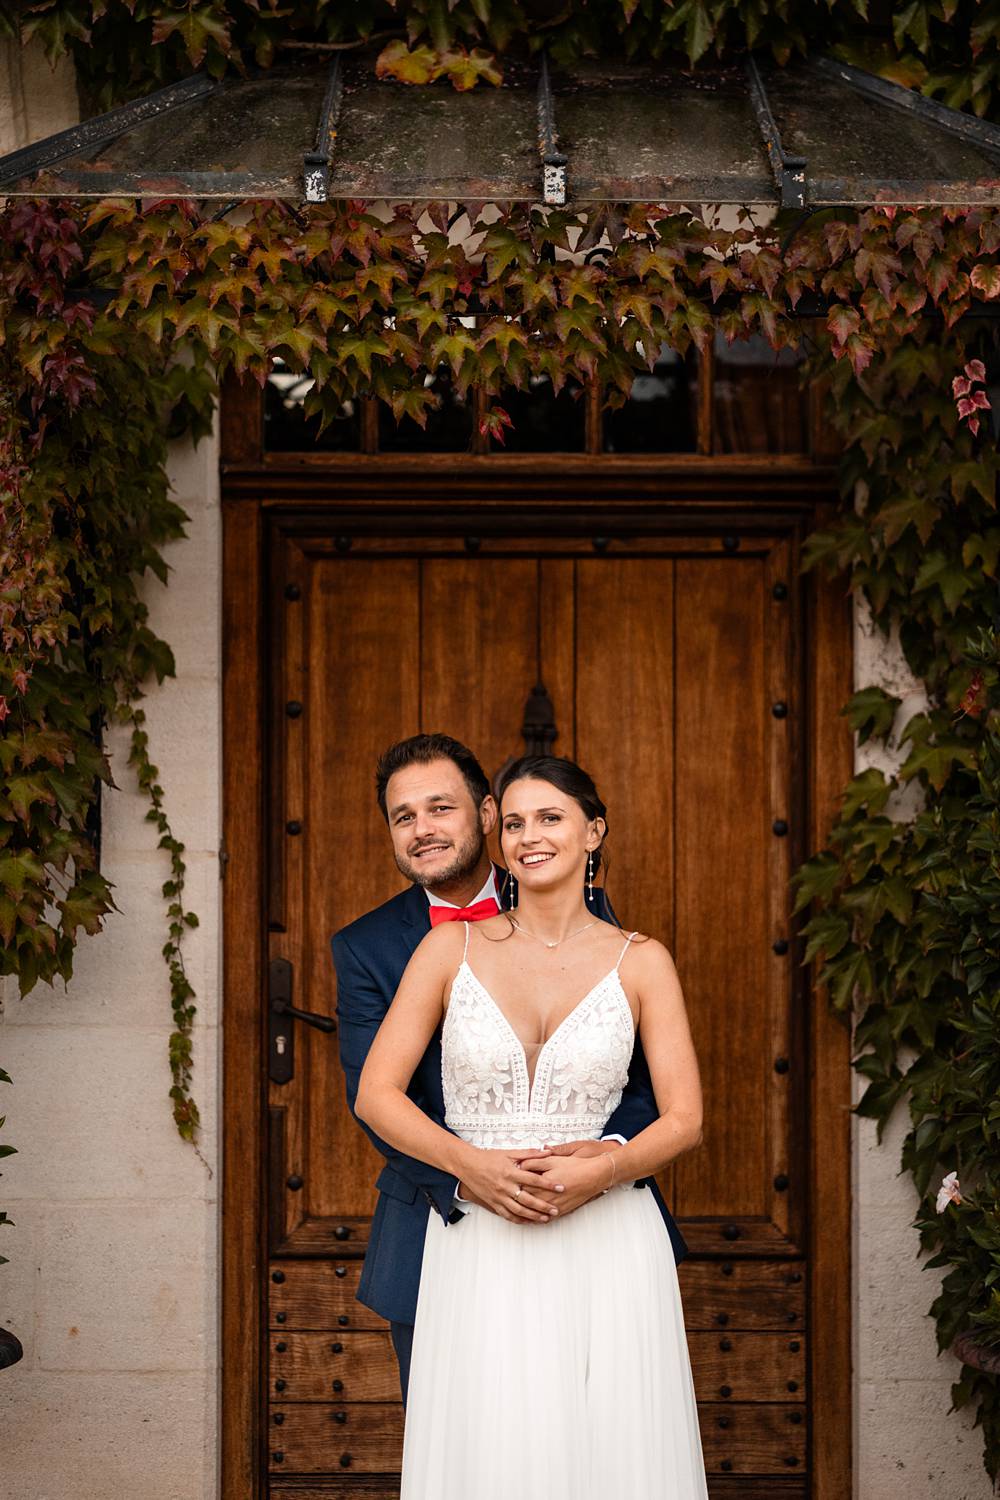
x=518, y=1193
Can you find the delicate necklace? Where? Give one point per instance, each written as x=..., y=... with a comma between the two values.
x=592, y=923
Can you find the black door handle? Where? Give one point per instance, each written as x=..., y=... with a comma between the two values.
x=310, y=1017
x=281, y=1041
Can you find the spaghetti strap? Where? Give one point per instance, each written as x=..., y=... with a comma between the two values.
x=465, y=950
x=625, y=949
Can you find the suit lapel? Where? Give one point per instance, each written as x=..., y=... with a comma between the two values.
x=416, y=918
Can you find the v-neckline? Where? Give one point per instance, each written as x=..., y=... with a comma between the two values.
x=530, y=1076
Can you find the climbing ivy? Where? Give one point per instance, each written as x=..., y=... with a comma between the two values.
x=949, y=49
x=905, y=911
x=96, y=305
x=84, y=513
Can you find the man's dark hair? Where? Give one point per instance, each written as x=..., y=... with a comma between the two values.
x=421, y=749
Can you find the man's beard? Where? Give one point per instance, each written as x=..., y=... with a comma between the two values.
x=467, y=857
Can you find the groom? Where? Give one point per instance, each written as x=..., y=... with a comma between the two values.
x=436, y=800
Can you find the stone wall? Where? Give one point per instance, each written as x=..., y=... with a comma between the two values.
x=35, y=100
x=112, y=1285
x=906, y=1445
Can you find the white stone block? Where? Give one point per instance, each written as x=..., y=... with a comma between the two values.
x=128, y=1286
x=90, y=1111
x=883, y=1185
x=36, y=99
x=910, y=1448
x=108, y=1436
x=19, y=1279
x=187, y=612
x=119, y=975
x=184, y=725
x=896, y=1335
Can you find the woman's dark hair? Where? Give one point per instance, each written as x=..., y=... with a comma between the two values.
x=569, y=778
x=421, y=749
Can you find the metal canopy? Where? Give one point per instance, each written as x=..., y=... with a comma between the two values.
x=813, y=134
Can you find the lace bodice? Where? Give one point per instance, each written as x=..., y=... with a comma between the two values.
x=489, y=1096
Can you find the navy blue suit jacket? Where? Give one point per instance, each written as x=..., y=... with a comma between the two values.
x=370, y=956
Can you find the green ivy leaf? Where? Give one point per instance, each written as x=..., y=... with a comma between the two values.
x=871, y=712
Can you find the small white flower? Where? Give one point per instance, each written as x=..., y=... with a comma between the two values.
x=948, y=1192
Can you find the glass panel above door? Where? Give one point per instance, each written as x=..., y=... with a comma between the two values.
x=287, y=429
x=660, y=415
x=449, y=423
x=545, y=421
x=759, y=403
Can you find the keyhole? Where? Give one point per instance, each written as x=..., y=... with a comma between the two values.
x=279, y=1045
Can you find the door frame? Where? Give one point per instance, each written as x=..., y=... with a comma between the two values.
x=473, y=497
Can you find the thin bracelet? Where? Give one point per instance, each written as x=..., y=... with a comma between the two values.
x=612, y=1182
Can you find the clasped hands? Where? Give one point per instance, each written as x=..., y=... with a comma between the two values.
x=534, y=1187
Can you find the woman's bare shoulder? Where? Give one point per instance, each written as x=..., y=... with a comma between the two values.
x=647, y=956
x=442, y=945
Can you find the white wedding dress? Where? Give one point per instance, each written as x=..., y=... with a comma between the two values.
x=549, y=1360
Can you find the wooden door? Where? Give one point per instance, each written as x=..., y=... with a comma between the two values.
x=673, y=664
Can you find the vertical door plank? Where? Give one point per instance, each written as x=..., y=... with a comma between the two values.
x=362, y=692
x=625, y=707
x=624, y=722
x=556, y=632
x=479, y=653
x=721, y=864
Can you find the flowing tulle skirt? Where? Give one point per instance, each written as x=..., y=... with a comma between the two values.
x=550, y=1361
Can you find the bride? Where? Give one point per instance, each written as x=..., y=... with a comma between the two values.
x=549, y=1355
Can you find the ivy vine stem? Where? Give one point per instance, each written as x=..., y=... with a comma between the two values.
x=187, y=1117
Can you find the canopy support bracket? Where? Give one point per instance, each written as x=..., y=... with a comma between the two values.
x=318, y=161
x=102, y=128
x=789, y=171
x=554, y=161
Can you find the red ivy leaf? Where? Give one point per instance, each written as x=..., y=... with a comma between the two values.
x=494, y=424
x=842, y=322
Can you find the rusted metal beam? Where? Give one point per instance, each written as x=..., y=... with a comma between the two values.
x=318, y=160
x=554, y=161
x=967, y=127
x=789, y=171
x=102, y=128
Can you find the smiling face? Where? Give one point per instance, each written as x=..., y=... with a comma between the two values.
x=438, y=832
x=545, y=835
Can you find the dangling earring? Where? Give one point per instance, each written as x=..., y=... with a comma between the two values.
x=510, y=887
x=590, y=873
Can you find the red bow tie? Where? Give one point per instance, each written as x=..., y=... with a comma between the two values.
x=477, y=912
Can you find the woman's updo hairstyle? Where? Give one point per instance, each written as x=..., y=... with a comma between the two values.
x=569, y=778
